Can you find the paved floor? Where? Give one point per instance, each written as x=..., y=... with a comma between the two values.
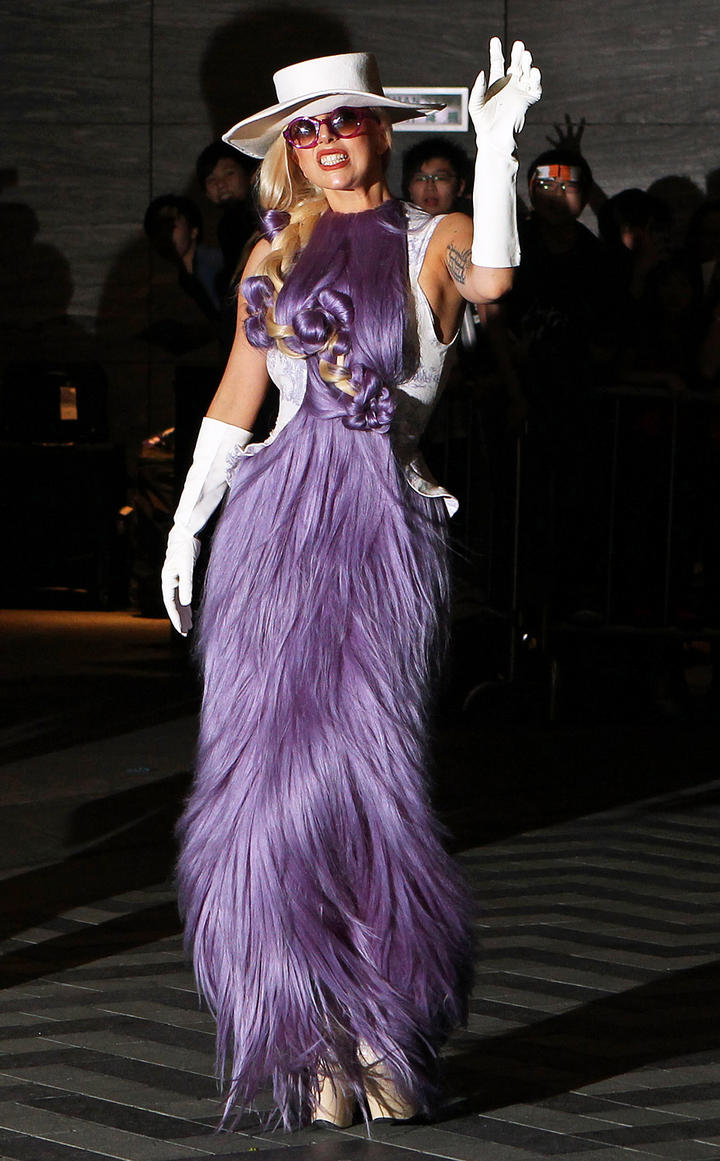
x=595, y=1026
x=70, y=675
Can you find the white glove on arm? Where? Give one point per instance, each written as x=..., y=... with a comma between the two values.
x=498, y=112
x=205, y=486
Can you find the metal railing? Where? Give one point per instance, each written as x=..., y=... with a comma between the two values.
x=670, y=431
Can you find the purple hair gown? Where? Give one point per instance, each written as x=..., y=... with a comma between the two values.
x=322, y=912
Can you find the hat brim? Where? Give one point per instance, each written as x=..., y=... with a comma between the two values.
x=254, y=135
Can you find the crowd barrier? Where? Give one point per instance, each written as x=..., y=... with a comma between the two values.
x=603, y=516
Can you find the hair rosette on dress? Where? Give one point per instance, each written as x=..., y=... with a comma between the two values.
x=323, y=327
x=373, y=406
x=325, y=324
x=336, y=313
x=259, y=294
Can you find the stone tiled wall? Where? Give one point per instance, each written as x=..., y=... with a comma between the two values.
x=106, y=104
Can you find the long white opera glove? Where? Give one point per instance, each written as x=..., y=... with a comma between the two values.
x=205, y=486
x=498, y=113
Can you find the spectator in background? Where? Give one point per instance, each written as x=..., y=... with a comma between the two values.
x=659, y=299
x=661, y=326
x=562, y=307
x=225, y=176
x=174, y=227
x=435, y=175
x=568, y=137
x=560, y=323
x=682, y=198
x=636, y=228
x=703, y=247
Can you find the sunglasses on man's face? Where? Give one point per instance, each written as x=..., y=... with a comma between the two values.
x=303, y=132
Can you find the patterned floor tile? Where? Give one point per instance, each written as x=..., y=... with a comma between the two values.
x=47, y=1125
x=142, y=1050
x=89, y=1083
x=593, y=1037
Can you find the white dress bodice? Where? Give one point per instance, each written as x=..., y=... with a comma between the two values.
x=415, y=398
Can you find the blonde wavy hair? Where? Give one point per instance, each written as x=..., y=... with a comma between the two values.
x=281, y=185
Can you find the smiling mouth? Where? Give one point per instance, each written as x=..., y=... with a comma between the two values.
x=328, y=160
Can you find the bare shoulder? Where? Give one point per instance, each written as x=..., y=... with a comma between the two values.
x=451, y=245
x=258, y=254
x=455, y=229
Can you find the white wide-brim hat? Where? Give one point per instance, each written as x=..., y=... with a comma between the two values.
x=319, y=86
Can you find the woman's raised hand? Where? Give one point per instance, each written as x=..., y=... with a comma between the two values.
x=498, y=107
x=498, y=111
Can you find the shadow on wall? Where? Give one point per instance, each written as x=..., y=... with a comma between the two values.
x=242, y=55
x=682, y=197
x=36, y=289
x=140, y=295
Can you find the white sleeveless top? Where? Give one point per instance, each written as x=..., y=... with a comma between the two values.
x=415, y=398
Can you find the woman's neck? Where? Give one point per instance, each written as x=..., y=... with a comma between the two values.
x=356, y=201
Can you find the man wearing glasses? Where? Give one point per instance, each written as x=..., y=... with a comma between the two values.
x=559, y=185
x=434, y=174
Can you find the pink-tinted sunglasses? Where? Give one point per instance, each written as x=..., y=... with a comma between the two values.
x=303, y=132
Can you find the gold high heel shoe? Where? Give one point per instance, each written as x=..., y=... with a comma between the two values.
x=384, y=1102
x=333, y=1107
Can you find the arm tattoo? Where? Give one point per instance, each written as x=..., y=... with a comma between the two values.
x=458, y=262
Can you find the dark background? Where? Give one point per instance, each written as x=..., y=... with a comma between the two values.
x=105, y=105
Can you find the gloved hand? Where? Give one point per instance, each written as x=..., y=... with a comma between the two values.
x=205, y=486
x=498, y=112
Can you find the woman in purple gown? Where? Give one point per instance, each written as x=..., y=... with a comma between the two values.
x=329, y=930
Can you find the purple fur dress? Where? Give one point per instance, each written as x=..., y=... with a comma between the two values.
x=320, y=906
